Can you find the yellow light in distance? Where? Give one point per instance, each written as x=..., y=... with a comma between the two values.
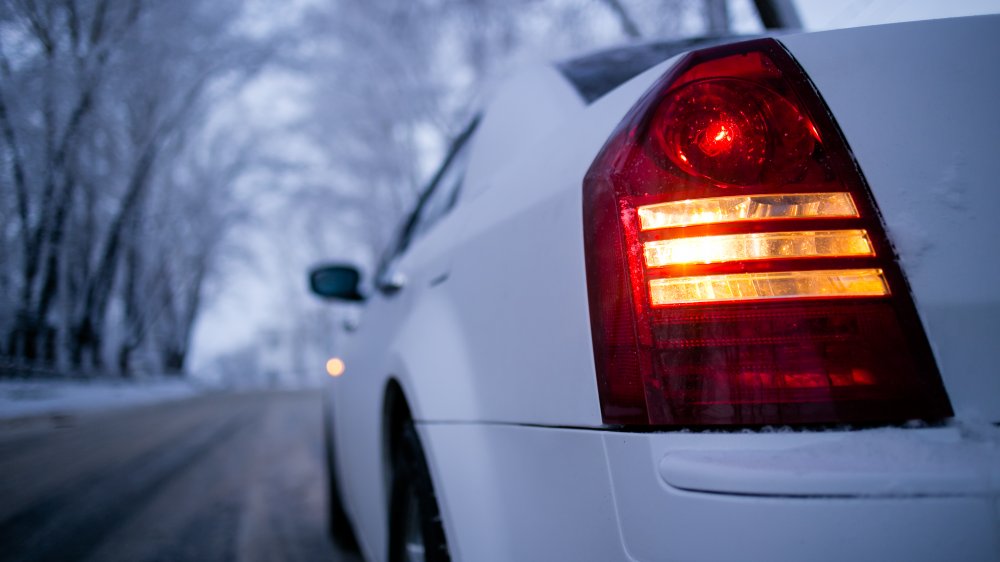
x=770, y=285
x=757, y=246
x=737, y=208
x=335, y=367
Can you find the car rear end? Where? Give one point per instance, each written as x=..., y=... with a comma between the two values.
x=772, y=331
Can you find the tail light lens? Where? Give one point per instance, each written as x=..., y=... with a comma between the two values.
x=738, y=271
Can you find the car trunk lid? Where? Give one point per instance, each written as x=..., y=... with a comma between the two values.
x=917, y=104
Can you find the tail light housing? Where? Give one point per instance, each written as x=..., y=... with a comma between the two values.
x=738, y=270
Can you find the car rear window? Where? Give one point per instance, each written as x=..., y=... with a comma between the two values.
x=598, y=73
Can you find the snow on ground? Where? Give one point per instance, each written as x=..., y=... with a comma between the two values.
x=21, y=398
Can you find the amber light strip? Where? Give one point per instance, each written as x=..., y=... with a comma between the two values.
x=737, y=208
x=758, y=246
x=771, y=285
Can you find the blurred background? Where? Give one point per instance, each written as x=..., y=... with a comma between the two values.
x=170, y=170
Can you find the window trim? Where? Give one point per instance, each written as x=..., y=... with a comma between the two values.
x=405, y=238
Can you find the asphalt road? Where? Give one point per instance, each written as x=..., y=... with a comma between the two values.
x=220, y=477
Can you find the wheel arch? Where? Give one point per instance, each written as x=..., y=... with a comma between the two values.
x=406, y=471
x=395, y=413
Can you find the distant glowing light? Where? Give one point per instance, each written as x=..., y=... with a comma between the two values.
x=736, y=208
x=769, y=285
x=758, y=246
x=335, y=367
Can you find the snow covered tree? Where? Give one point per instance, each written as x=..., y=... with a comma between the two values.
x=97, y=100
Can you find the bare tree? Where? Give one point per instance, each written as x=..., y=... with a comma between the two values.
x=117, y=181
x=95, y=101
x=717, y=17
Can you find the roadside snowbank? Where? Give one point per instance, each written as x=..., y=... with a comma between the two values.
x=26, y=398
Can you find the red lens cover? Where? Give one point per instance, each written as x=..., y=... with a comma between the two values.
x=743, y=119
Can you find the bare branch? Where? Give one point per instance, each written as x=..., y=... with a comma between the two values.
x=628, y=25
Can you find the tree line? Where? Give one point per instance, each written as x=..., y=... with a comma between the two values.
x=114, y=193
x=119, y=180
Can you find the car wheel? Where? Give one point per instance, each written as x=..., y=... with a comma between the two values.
x=415, y=530
x=339, y=525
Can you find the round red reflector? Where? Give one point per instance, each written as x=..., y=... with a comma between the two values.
x=733, y=132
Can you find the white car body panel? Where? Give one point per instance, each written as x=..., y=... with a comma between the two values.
x=530, y=493
x=527, y=230
x=490, y=341
x=535, y=493
x=661, y=522
x=927, y=145
x=870, y=463
x=421, y=319
x=512, y=128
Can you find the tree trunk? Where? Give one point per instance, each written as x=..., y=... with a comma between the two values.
x=717, y=17
x=628, y=25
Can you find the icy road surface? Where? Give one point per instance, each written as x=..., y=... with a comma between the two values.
x=218, y=477
x=24, y=399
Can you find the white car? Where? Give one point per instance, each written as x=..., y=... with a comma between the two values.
x=740, y=302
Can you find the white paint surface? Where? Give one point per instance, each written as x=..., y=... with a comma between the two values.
x=491, y=334
x=917, y=103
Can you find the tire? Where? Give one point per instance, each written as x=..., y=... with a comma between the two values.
x=339, y=525
x=415, y=530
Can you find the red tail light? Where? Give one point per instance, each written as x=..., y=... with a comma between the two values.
x=737, y=267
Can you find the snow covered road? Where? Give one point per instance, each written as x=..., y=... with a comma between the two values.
x=216, y=477
x=27, y=398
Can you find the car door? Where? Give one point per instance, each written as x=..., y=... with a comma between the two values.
x=416, y=261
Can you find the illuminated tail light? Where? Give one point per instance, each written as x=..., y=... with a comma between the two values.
x=738, y=271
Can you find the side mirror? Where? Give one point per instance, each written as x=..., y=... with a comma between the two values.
x=338, y=282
